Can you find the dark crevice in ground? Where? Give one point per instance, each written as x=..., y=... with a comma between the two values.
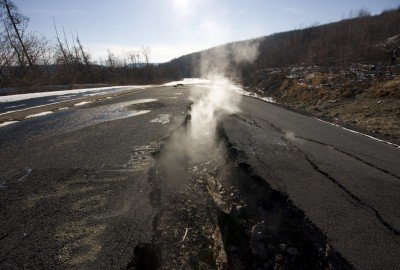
x=274, y=233
x=219, y=214
x=333, y=180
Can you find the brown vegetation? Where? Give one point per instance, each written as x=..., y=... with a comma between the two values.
x=366, y=97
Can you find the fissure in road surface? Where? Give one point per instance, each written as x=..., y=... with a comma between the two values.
x=216, y=213
x=314, y=165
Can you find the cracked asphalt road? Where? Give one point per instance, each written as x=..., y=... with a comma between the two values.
x=348, y=185
x=75, y=192
x=74, y=189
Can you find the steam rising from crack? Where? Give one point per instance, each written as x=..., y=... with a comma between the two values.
x=218, y=99
x=215, y=64
x=197, y=143
x=227, y=60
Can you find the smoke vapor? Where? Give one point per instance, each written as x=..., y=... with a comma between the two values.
x=197, y=143
x=226, y=60
x=218, y=98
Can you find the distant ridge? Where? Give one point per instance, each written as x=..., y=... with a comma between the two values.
x=349, y=40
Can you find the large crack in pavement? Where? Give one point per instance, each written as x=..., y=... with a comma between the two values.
x=219, y=214
x=314, y=165
x=354, y=197
x=350, y=155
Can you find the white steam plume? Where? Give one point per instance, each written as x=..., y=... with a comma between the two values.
x=197, y=143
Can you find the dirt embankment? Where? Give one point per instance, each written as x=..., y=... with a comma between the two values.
x=365, y=97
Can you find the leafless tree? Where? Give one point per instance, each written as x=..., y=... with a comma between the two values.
x=111, y=59
x=84, y=54
x=61, y=48
x=145, y=51
x=15, y=24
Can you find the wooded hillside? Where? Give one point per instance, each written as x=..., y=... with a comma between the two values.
x=364, y=38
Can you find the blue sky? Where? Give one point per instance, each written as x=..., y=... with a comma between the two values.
x=176, y=27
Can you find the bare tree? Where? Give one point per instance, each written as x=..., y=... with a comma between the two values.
x=60, y=44
x=76, y=49
x=145, y=51
x=13, y=45
x=132, y=59
x=363, y=13
x=111, y=60
x=85, y=55
x=18, y=22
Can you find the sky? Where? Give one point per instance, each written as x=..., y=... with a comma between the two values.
x=172, y=28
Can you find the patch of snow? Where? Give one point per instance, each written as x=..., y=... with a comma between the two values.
x=188, y=81
x=243, y=92
x=7, y=123
x=356, y=132
x=82, y=103
x=19, y=97
x=255, y=95
x=62, y=108
x=38, y=114
x=162, y=118
x=29, y=108
x=135, y=113
x=145, y=100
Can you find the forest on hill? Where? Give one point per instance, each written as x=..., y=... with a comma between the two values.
x=363, y=38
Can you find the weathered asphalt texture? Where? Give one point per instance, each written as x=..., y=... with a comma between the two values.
x=74, y=189
x=348, y=185
x=75, y=192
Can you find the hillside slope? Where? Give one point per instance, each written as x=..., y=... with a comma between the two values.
x=361, y=39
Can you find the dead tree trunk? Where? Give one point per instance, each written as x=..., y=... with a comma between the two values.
x=17, y=33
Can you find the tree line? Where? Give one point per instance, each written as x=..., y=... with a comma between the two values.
x=28, y=59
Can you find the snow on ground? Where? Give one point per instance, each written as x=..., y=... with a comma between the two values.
x=89, y=91
x=188, y=81
x=82, y=103
x=145, y=100
x=162, y=118
x=251, y=94
x=38, y=114
x=234, y=87
x=29, y=108
x=7, y=123
x=356, y=132
x=135, y=113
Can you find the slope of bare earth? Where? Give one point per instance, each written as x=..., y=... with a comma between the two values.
x=365, y=97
